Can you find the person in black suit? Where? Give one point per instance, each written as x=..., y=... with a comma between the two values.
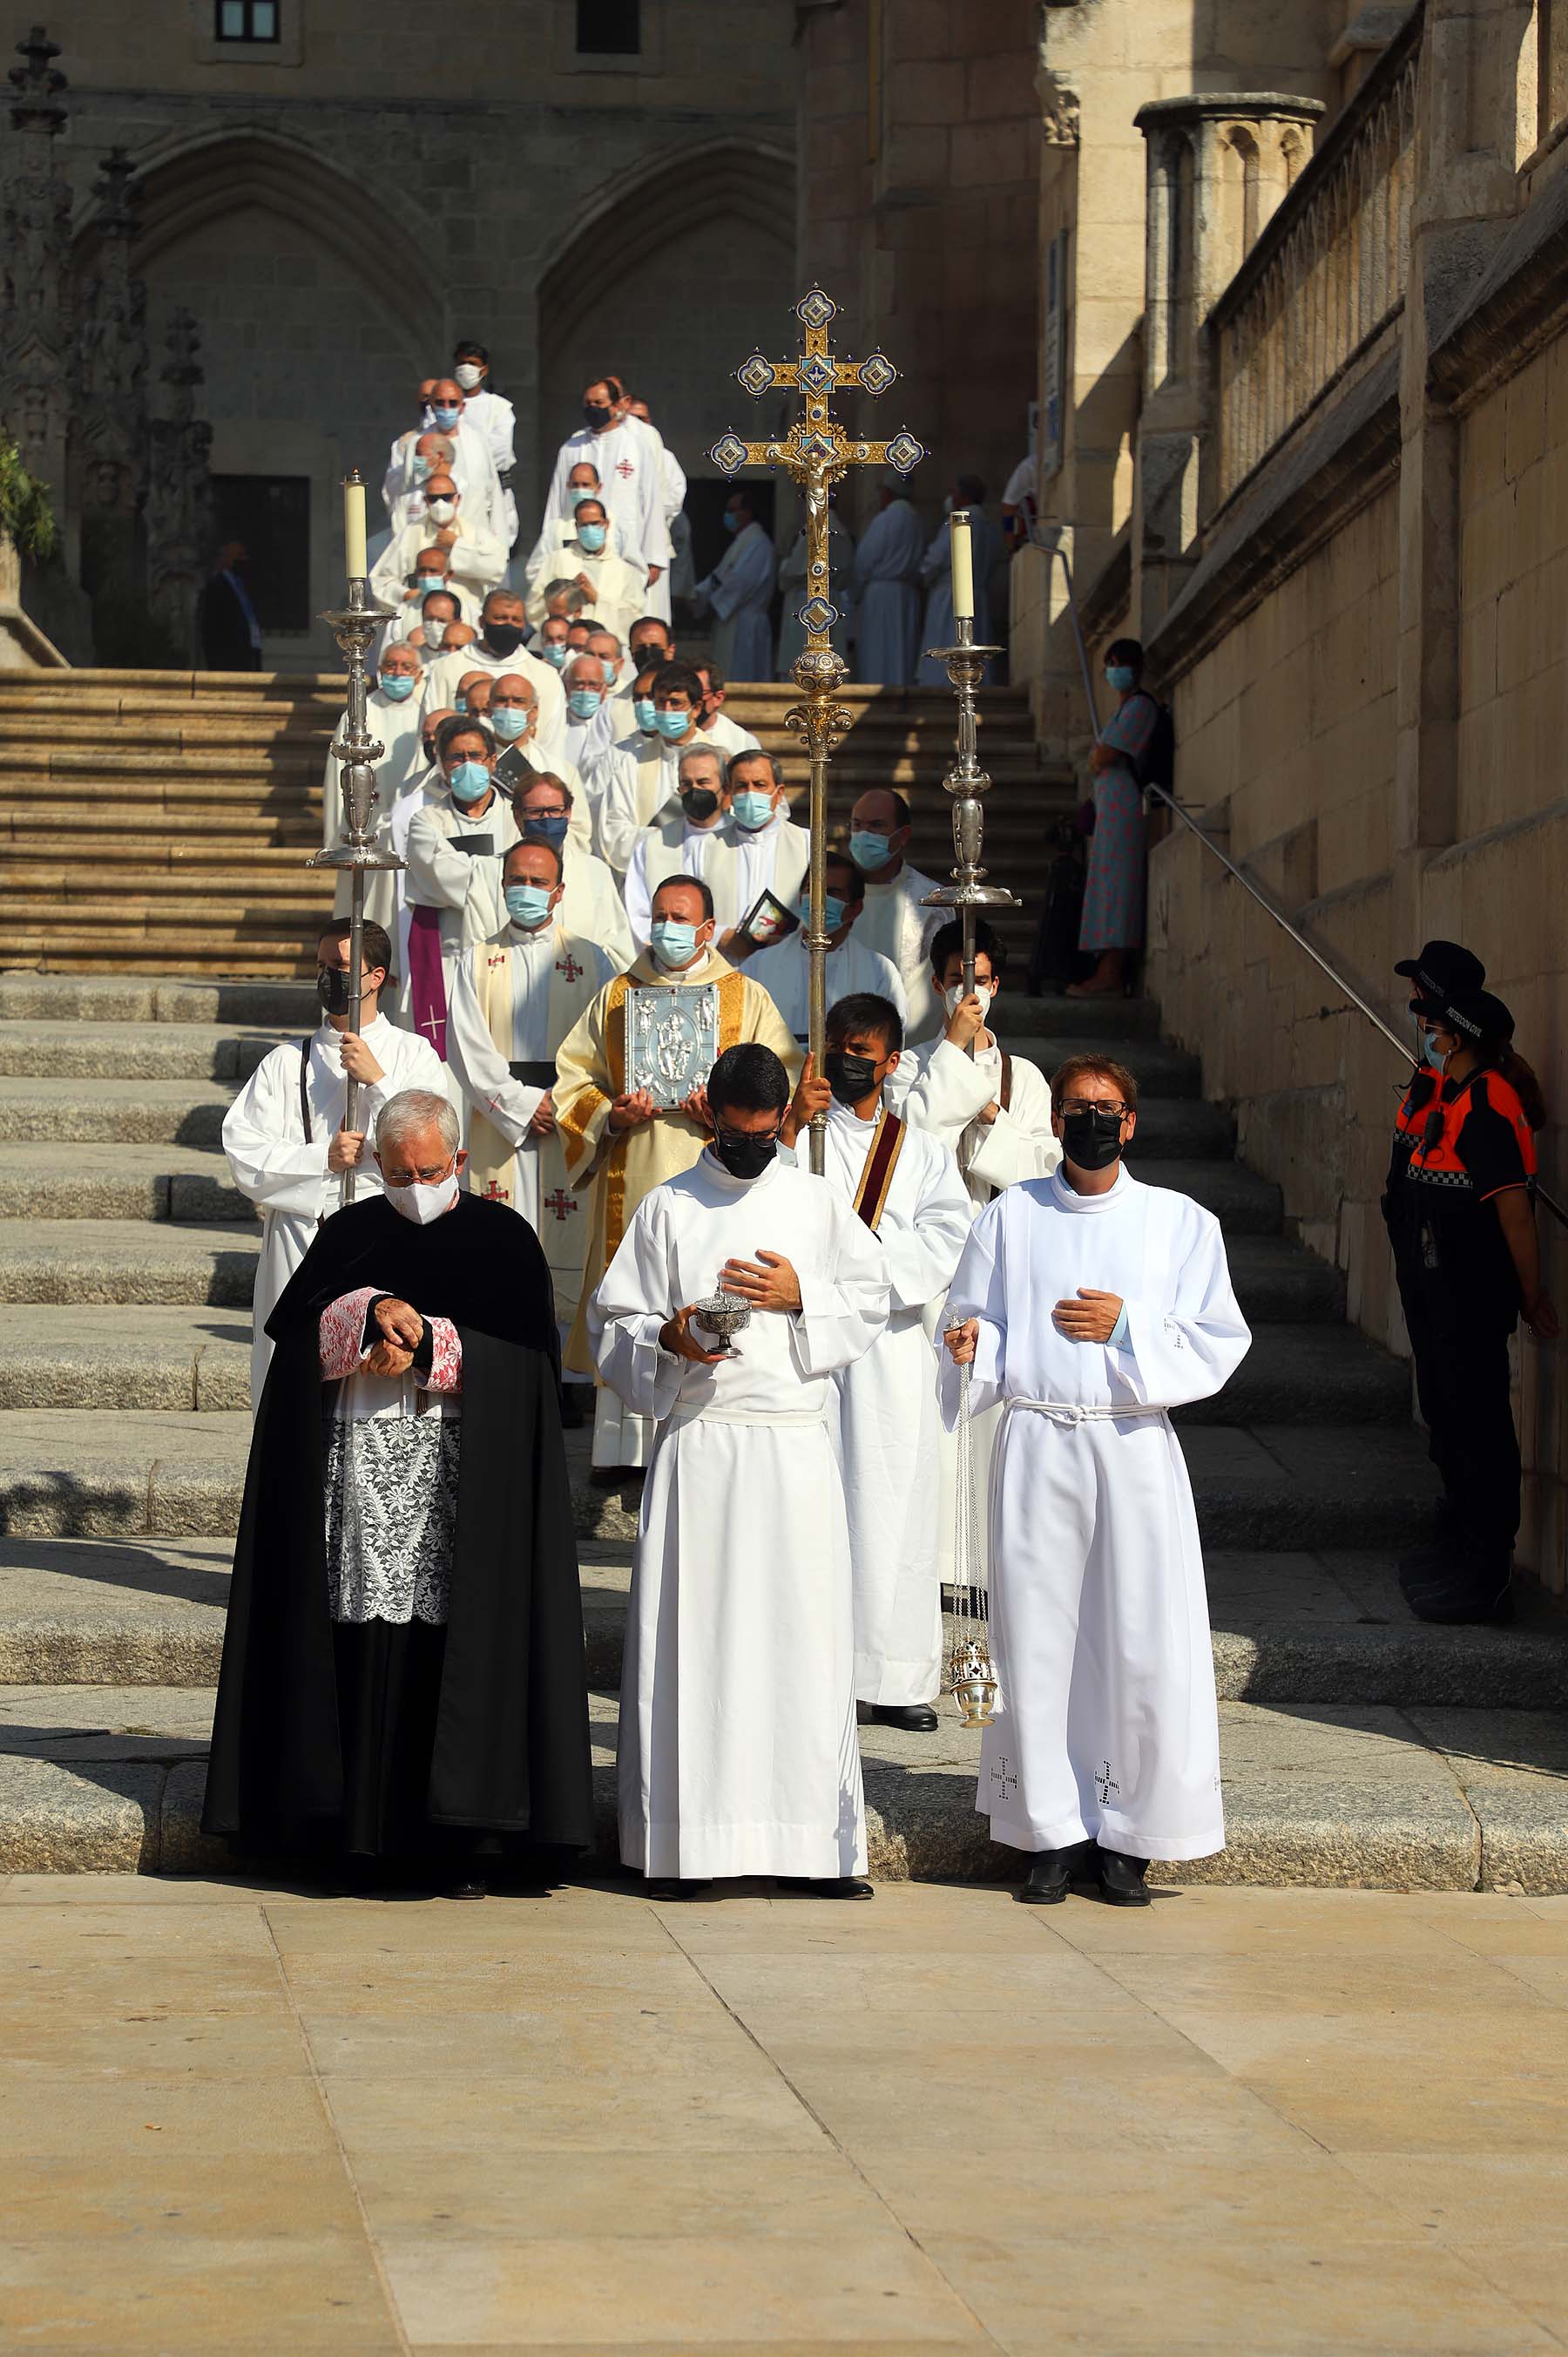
x=230, y=634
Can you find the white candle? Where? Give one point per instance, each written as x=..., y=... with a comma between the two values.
x=962, y=567
x=354, y=526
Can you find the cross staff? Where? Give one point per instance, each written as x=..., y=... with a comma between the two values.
x=816, y=453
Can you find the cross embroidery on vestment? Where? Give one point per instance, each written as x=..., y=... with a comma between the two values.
x=494, y=1193
x=561, y=1203
x=568, y=966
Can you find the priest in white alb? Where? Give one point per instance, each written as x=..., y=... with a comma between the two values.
x=904, y=1188
x=785, y=970
x=737, y=1751
x=886, y=588
x=628, y=455
x=1090, y=1306
x=476, y=556
x=285, y=1137
x=739, y=591
x=896, y=920
x=456, y=841
x=514, y=1000
x=613, y=589
x=673, y=480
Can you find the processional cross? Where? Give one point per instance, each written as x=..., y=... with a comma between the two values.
x=816, y=453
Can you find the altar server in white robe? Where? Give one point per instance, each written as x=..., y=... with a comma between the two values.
x=994, y=1107
x=678, y=579
x=739, y=591
x=888, y=596
x=284, y=1136
x=938, y=628
x=896, y=920
x=546, y=811
x=514, y=1000
x=785, y=970
x=629, y=457
x=906, y=1188
x=1091, y=1306
x=737, y=1750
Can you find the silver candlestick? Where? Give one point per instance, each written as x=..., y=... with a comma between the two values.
x=356, y=752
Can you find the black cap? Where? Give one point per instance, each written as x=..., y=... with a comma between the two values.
x=1443, y=966
x=1475, y=1014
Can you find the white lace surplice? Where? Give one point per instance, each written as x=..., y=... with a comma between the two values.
x=390, y=1479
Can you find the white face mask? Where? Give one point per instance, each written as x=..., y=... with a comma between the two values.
x=953, y=999
x=468, y=375
x=421, y=1203
x=441, y=510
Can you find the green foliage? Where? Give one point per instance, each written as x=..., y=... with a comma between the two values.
x=27, y=515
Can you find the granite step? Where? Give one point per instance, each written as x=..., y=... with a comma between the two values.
x=1288, y=1626
x=47, y=1262
x=65, y=1112
x=71, y=1473
x=104, y=1779
x=265, y=1006
x=119, y=1182
x=67, y=1047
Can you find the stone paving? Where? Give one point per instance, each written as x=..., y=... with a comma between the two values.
x=240, y=2118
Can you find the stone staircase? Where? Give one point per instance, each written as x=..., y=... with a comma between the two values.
x=159, y=822
x=1360, y=1747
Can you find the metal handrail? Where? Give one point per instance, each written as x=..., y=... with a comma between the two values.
x=1265, y=900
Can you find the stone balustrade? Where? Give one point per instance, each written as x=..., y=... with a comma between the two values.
x=1325, y=276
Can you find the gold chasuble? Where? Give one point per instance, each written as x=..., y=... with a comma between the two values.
x=494, y=1167
x=623, y=1165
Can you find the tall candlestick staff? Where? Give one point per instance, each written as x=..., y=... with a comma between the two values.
x=970, y=1676
x=356, y=752
x=816, y=453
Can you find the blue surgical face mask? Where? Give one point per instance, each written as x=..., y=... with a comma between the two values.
x=459, y=704
x=732, y=521
x=672, y=944
x=869, y=852
x=556, y=654
x=446, y=417
x=671, y=724
x=581, y=703
x=547, y=826
x=752, y=809
x=832, y=911
x=592, y=537
x=509, y=721
x=426, y=582
x=470, y=781
x=394, y=684
x=421, y=468
x=645, y=712
x=528, y=904
x=1121, y=676
x=1431, y=1053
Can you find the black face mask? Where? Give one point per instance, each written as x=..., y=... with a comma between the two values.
x=848, y=1077
x=1091, y=1138
x=743, y=1156
x=596, y=413
x=503, y=638
x=699, y=802
x=332, y=989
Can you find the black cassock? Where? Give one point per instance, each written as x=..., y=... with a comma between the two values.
x=394, y=1738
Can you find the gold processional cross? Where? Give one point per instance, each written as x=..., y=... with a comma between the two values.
x=816, y=453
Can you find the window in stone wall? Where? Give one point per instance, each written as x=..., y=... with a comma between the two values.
x=609, y=28
x=246, y=20
x=270, y=514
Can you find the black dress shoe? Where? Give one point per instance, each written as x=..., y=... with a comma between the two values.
x=1122, y=1878
x=1462, y=1601
x=842, y=1886
x=468, y=1890
x=664, y=1886
x=918, y=1717
x=1048, y=1881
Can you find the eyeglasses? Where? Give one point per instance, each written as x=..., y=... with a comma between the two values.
x=1094, y=1104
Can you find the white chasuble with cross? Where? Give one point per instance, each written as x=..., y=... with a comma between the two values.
x=515, y=999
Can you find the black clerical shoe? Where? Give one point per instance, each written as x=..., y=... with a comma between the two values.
x=1475, y=1591
x=1122, y=1878
x=917, y=1718
x=663, y=1886
x=842, y=1886
x=1048, y=1879
x=468, y=1890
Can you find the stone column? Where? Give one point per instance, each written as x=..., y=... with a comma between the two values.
x=179, y=529
x=1476, y=121
x=111, y=437
x=1218, y=166
x=37, y=323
